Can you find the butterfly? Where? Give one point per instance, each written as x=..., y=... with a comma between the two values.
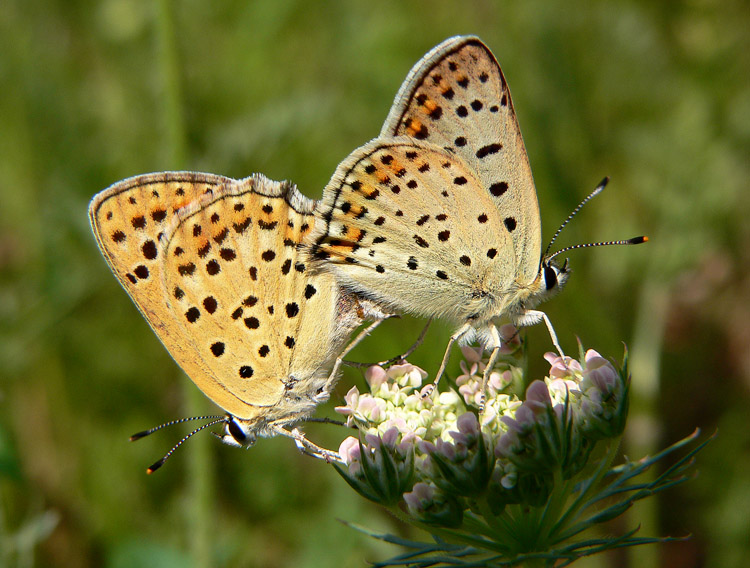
x=213, y=265
x=438, y=216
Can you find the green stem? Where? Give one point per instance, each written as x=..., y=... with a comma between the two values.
x=201, y=485
x=495, y=522
x=200, y=479
x=564, y=521
x=536, y=563
x=174, y=121
x=645, y=363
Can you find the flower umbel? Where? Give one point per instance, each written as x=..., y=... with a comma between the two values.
x=508, y=484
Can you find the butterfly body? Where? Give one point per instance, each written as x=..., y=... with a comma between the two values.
x=441, y=256
x=213, y=265
x=438, y=217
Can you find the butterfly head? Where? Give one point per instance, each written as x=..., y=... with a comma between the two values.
x=553, y=277
x=238, y=432
x=243, y=433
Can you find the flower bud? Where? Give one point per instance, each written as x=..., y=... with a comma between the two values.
x=380, y=470
x=490, y=478
x=433, y=507
x=406, y=375
x=604, y=400
x=461, y=466
x=542, y=436
x=375, y=376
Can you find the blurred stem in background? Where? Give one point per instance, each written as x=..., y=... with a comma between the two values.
x=169, y=62
x=198, y=508
x=645, y=430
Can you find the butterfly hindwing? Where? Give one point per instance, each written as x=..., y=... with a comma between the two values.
x=264, y=326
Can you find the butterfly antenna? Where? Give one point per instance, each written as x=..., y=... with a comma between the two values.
x=633, y=241
x=139, y=435
x=326, y=420
x=597, y=191
x=158, y=464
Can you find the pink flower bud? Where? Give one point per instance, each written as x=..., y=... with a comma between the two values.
x=509, y=333
x=397, y=423
x=349, y=450
x=447, y=449
x=391, y=437
x=426, y=447
x=420, y=497
x=472, y=354
x=561, y=367
x=468, y=424
x=499, y=381
x=537, y=397
x=375, y=376
x=468, y=373
x=506, y=444
x=373, y=409
x=510, y=339
x=407, y=443
x=406, y=375
x=351, y=399
x=489, y=415
x=600, y=372
x=524, y=418
x=471, y=393
x=459, y=438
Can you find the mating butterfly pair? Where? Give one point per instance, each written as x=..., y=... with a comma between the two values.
x=255, y=289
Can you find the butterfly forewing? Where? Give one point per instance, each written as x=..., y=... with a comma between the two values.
x=456, y=97
x=408, y=225
x=127, y=220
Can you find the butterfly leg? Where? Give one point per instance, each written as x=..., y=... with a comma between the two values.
x=414, y=346
x=410, y=350
x=307, y=447
x=444, y=363
x=531, y=317
x=352, y=344
x=496, y=344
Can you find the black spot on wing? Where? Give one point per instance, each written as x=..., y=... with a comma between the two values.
x=497, y=189
x=488, y=150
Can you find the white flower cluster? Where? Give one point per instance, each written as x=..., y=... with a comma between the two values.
x=439, y=451
x=396, y=400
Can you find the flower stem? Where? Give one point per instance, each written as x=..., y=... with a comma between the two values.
x=201, y=485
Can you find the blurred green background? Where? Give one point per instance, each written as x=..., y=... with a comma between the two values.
x=654, y=94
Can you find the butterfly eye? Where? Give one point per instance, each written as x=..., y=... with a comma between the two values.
x=550, y=276
x=234, y=430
